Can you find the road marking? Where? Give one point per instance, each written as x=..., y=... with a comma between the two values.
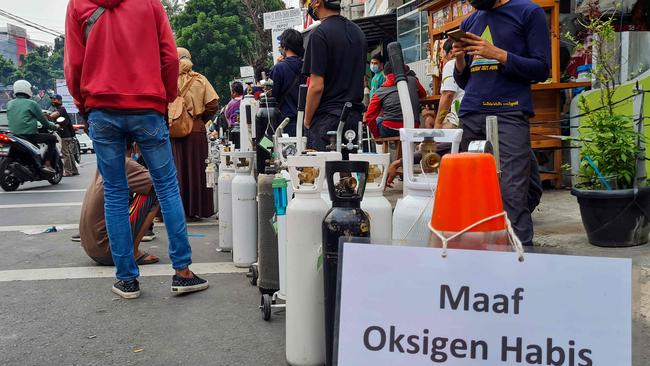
x=6, y=229
x=46, y=191
x=41, y=205
x=69, y=273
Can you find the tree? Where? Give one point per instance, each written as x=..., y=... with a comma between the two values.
x=36, y=67
x=261, y=57
x=7, y=70
x=223, y=35
x=172, y=7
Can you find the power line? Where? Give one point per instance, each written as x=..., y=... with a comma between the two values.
x=30, y=24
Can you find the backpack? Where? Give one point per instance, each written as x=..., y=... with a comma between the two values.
x=180, y=121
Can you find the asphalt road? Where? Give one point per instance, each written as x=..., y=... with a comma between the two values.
x=63, y=313
x=56, y=307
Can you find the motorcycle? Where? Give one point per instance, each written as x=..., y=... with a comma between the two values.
x=22, y=160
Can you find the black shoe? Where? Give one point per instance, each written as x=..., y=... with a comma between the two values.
x=127, y=289
x=76, y=237
x=149, y=236
x=186, y=285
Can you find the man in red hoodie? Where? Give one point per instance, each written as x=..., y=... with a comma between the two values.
x=121, y=67
x=386, y=101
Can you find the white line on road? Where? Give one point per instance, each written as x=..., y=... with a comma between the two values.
x=68, y=273
x=41, y=205
x=46, y=191
x=6, y=229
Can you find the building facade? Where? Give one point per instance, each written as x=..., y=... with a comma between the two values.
x=14, y=43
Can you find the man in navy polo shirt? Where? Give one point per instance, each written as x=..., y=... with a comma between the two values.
x=507, y=47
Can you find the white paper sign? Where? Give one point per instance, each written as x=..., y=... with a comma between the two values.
x=410, y=306
x=247, y=71
x=68, y=101
x=283, y=19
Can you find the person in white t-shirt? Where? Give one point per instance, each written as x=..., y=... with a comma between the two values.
x=451, y=93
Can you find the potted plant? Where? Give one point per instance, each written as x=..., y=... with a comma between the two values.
x=614, y=201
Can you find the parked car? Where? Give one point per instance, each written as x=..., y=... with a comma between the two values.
x=85, y=143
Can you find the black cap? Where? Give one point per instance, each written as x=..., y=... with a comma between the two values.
x=57, y=97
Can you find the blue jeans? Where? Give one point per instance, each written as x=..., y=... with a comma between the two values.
x=109, y=132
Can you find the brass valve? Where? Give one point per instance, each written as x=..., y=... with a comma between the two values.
x=374, y=172
x=346, y=185
x=430, y=158
x=243, y=162
x=308, y=175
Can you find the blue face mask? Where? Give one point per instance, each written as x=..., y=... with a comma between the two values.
x=374, y=68
x=135, y=156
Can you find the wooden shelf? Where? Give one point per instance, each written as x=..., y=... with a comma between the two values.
x=448, y=26
x=559, y=86
x=430, y=99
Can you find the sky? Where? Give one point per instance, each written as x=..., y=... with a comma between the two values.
x=49, y=13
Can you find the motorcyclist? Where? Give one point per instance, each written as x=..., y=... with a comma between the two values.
x=24, y=114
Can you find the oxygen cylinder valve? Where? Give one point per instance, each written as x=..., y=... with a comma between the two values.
x=243, y=162
x=333, y=143
x=374, y=172
x=430, y=158
x=308, y=175
x=346, y=185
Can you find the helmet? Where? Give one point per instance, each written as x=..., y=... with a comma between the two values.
x=24, y=87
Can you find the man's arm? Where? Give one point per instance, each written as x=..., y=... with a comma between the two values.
x=422, y=93
x=315, y=65
x=168, y=53
x=446, y=99
x=461, y=70
x=536, y=67
x=314, y=94
x=75, y=50
x=39, y=116
x=374, y=108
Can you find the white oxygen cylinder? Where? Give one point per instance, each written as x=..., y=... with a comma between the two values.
x=244, y=210
x=305, y=313
x=287, y=176
x=413, y=212
x=374, y=203
x=226, y=175
x=329, y=156
x=247, y=112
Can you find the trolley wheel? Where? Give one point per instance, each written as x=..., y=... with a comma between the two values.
x=254, y=275
x=265, y=307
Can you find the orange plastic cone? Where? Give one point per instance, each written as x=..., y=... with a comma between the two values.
x=467, y=193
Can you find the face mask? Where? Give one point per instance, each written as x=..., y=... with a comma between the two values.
x=374, y=68
x=312, y=13
x=483, y=4
x=135, y=156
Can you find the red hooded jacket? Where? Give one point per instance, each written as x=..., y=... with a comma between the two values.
x=129, y=60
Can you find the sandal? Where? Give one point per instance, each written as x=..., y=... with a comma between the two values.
x=142, y=260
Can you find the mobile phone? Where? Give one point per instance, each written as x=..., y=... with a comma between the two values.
x=456, y=34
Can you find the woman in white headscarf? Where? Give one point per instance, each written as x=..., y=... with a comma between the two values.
x=190, y=152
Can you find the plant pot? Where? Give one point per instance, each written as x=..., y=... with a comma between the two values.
x=617, y=218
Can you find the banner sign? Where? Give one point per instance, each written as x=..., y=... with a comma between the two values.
x=283, y=19
x=68, y=101
x=410, y=306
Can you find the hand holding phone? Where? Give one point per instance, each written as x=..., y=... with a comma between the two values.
x=456, y=34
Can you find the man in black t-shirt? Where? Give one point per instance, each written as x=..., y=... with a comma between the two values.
x=335, y=62
x=67, y=134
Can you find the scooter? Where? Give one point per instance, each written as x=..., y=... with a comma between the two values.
x=24, y=162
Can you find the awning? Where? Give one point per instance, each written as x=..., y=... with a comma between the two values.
x=378, y=28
